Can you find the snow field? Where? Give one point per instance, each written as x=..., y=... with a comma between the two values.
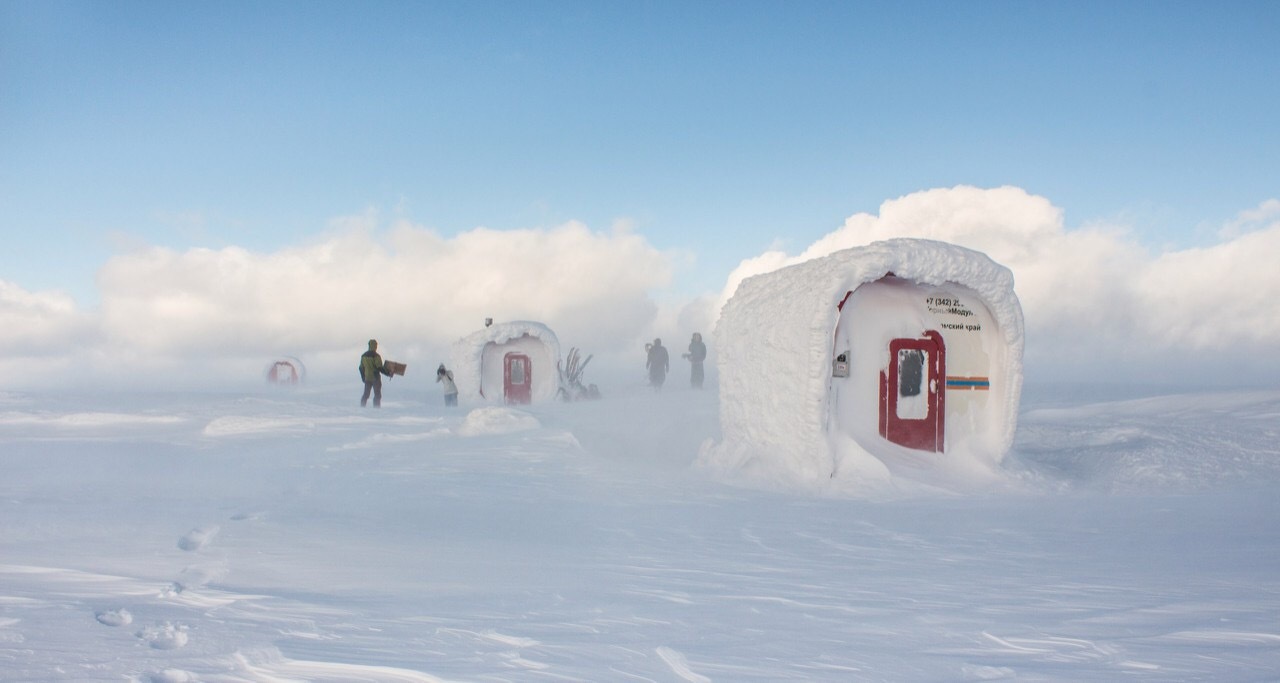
x=293, y=536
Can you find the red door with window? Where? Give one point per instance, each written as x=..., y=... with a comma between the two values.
x=516, y=378
x=912, y=393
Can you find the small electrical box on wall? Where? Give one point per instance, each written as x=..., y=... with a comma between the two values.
x=840, y=366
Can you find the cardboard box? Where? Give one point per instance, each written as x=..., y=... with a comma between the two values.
x=394, y=367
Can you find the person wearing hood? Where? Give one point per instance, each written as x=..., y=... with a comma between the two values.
x=445, y=377
x=697, y=354
x=658, y=364
x=371, y=372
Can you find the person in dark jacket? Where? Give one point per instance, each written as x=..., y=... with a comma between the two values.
x=697, y=354
x=659, y=363
x=371, y=372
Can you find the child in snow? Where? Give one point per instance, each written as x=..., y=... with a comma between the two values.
x=450, y=389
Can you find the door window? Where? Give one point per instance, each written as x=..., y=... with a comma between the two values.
x=913, y=400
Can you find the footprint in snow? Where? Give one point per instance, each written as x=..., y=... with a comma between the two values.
x=166, y=636
x=114, y=617
x=198, y=537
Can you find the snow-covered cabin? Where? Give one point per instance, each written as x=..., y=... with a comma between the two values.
x=511, y=362
x=286, y=370
x=841, y=371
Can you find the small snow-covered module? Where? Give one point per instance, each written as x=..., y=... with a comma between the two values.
x=900, y=356
x=286, y=371
x=511, y=362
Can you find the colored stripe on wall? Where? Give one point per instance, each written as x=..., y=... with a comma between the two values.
x=968, y=383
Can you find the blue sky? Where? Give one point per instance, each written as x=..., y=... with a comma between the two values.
x=320, y=155
x=714, y=127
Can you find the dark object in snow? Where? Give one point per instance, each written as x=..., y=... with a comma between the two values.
x=395, y=368
x=571, y=388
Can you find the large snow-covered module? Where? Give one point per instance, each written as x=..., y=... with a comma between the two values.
x=902, y=357
x=511, y=362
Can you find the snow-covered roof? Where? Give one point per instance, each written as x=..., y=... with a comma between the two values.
x=774, y=340
x=500, y=333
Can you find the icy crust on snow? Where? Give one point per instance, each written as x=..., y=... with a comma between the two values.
x=469, y=371
x=774, y=340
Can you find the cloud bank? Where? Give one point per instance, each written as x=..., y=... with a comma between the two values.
x=39, y=325
x=1096, y=301
x=202, y=313
x=1098, y=304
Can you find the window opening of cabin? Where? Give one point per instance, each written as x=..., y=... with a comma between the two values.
x=913, y=401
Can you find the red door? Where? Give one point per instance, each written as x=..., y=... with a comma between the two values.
x=516, y=378
x=912, y=393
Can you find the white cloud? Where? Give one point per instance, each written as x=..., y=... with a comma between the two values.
x=414, y=286
x=1266, y=214
x=202, y=311
x=1093, y=294
x=1216, y=298
x=39, y=324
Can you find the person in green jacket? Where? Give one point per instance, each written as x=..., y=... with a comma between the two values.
x=371, y=371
